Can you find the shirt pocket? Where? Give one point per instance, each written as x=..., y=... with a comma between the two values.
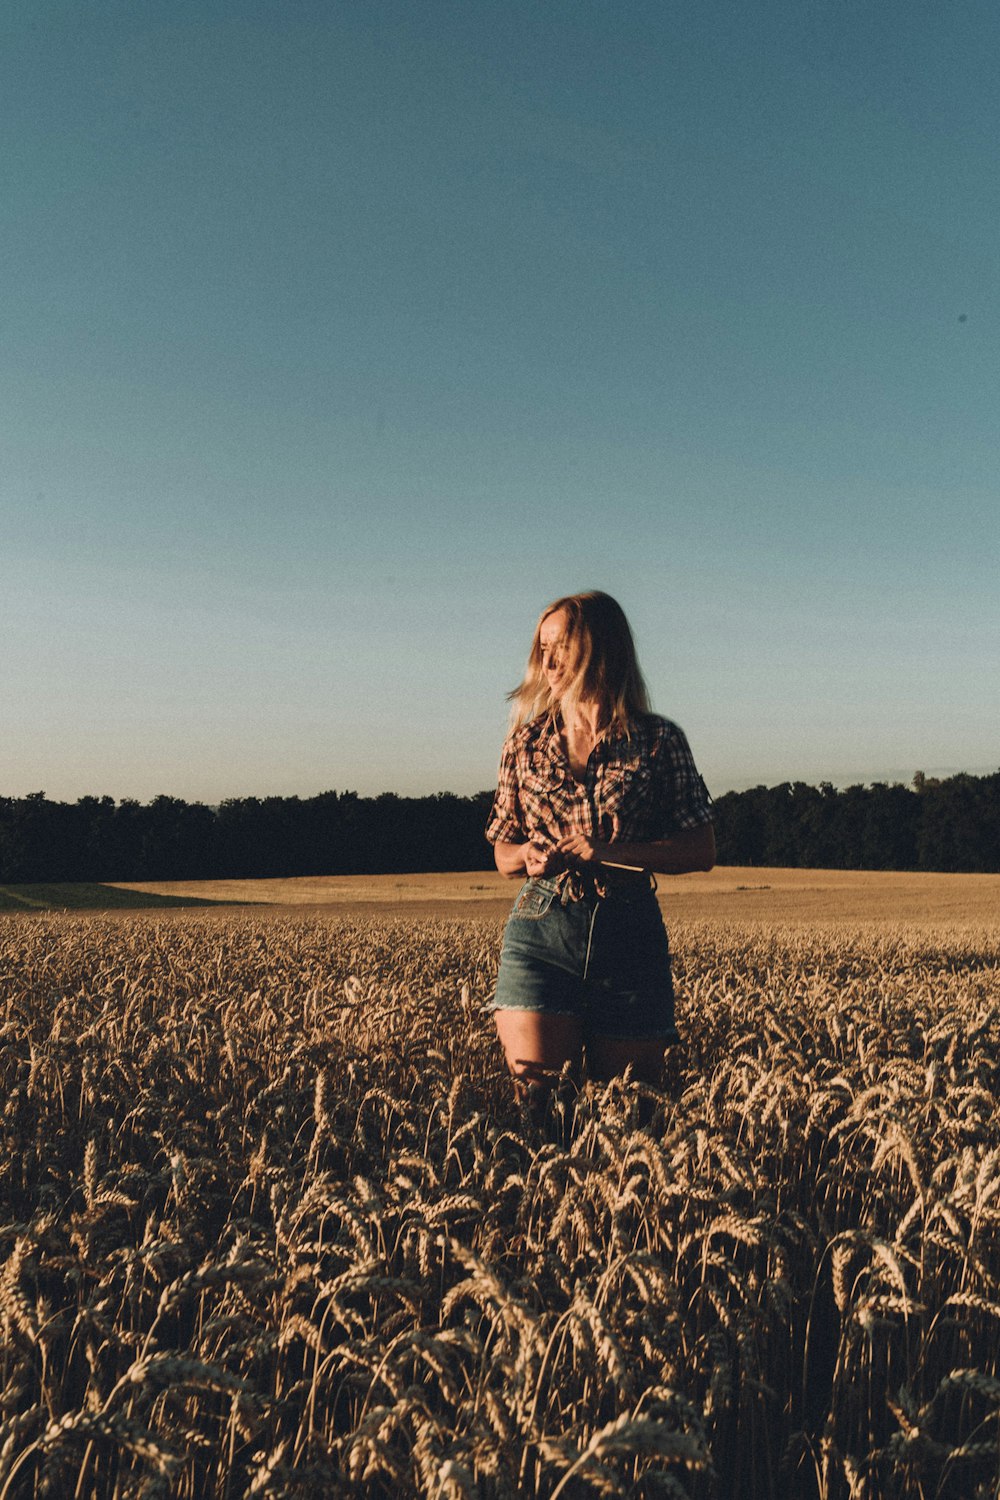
x=548, y=795
x=626, y=792
x=541, y=776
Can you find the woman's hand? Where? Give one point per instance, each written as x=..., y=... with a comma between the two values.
x=539, y=861
x=577, y=849
x=515, y=860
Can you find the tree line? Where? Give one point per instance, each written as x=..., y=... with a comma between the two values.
x=951, y=824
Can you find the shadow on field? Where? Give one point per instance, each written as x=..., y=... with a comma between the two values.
x=92, y=897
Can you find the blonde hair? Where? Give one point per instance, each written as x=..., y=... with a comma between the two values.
x=600, y=656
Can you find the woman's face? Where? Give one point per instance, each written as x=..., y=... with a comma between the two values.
x=552, y=642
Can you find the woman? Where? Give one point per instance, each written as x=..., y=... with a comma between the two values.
x=595, y=795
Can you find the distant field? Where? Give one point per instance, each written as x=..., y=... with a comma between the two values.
x=88, y=896
x=787, y=898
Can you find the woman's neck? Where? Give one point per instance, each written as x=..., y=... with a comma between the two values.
x=584, y=720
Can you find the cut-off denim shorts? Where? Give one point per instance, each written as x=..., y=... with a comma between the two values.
x=604, y=959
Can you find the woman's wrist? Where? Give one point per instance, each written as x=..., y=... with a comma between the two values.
x=688, y=851
x=510, y=859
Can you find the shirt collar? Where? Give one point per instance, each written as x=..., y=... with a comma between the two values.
x=550, y=740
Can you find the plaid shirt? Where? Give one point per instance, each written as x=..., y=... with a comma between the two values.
x=636, y=790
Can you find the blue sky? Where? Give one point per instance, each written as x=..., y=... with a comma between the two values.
x=340, y=338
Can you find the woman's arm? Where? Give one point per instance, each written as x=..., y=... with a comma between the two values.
x=687, y=850
x=514, y=861
x=510, y=859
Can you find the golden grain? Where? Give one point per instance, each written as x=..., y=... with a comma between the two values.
x=274, y=1225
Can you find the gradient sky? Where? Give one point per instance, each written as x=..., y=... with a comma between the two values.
x=339, y=338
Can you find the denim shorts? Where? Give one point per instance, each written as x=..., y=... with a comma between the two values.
x=604, y=959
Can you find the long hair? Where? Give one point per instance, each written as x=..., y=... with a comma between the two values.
x=600, y=656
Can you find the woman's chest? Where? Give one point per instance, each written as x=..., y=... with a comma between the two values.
x=578, y=750
x=608, y=784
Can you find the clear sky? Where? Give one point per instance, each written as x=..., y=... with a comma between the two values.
x=338, y=338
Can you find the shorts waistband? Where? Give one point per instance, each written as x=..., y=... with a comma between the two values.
x=580, y=885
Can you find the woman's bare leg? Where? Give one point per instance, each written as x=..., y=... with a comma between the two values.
x=537, y=1047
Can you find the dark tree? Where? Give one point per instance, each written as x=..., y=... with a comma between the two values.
x=934, y=825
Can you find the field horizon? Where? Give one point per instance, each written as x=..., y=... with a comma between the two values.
x=741, y=894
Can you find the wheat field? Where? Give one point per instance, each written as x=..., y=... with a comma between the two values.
x=273, y=1225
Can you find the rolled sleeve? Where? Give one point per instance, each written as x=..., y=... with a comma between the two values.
x=686, y=799
x=506, y=821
